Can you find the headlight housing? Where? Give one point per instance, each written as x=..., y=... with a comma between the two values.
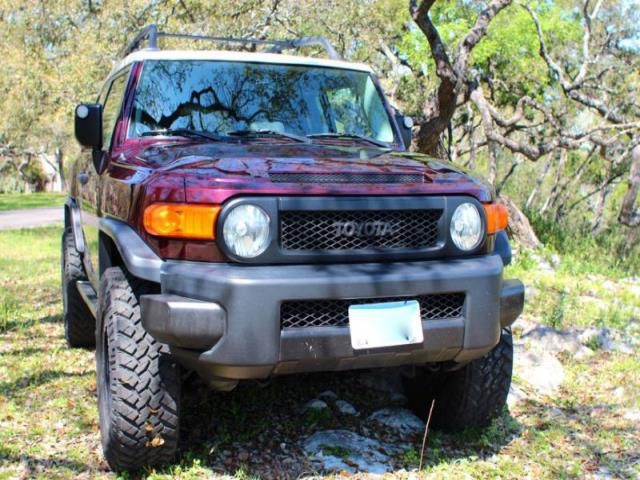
x=466, y=227
x=246, y=230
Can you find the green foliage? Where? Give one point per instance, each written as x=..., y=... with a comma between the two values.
x=607, y=253
x=509, y=52
x=556, y=316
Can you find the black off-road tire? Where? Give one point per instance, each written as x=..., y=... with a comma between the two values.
x=469, y=397
x=79, y=323
x=138, y=382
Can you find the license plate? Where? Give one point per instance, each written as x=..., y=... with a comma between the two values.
x=390, y=324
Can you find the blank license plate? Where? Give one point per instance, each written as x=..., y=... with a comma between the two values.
x=389, y=324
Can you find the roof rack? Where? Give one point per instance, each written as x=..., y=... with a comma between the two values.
x=151, y=35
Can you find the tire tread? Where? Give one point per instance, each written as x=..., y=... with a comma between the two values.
x=145, y=383
x=79, y=323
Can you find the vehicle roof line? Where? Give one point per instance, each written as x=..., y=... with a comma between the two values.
x=151, y=34
x=236, y=56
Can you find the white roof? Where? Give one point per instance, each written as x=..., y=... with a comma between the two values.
x=231, y=56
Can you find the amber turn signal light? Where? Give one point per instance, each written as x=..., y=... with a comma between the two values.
x=497, y=217
x=181, y=220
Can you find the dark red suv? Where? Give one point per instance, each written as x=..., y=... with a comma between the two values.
x=245, y=215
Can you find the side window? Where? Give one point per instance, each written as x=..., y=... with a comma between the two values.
x=111, y=107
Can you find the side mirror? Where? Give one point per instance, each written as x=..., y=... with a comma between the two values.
x=88, y=125
x=405, y=123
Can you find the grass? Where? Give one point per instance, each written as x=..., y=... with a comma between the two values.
x=48, y=417
x=573, y=296
x=19, y=201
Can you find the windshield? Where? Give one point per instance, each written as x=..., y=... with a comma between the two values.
x=224, y=97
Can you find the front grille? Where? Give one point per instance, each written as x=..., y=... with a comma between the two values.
x=346, y=178
x=359, y=229
x=335, y=313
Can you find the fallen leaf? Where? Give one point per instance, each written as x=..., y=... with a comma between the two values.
x=157, y=441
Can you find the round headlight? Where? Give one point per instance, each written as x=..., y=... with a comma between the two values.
x=246, y=231
x=466, y=227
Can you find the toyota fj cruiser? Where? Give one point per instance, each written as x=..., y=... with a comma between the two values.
x=246, y=214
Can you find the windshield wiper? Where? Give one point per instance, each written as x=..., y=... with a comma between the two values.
x=354, y=136
x=269, y=133
x=183, y=132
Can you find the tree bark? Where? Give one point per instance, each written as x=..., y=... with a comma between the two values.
x=519, y=227
x=629, y=215
x=453, y=88
x=60, y=164
x=553, y=195
x=538, y=185
x=605, y=189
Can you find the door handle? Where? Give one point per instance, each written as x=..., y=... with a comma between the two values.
x=83, y=178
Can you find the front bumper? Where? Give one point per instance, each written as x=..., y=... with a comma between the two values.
x=223, y=320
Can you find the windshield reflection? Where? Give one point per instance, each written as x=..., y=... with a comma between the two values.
x=222, y=97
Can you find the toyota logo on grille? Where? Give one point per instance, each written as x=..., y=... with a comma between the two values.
x=375, y=228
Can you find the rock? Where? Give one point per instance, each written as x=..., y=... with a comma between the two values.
x=516, y=395
x=623, y=347
x=243, y=456
x=543, y=265
x=400, y=419
x=633, y=415
x=524, y=325
x=603, y=473
x=542, y=370
x=338, y=450
x=547, y=339
x=345, y=408
x=531, y=291
x=605, y=340
x=328, y=395
x=555, y=413
x=583, y=353
x=555, y=260
x=316, y=404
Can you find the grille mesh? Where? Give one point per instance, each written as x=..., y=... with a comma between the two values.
x=335, y=313
x=346, y=178
x=358, y=230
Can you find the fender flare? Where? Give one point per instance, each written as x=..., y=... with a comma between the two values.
x=72, y=219
x=137, y=256
x=502, y=247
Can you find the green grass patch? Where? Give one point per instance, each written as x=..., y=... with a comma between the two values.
x=19, y=201
x=563, y=298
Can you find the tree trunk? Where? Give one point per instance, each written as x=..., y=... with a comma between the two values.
x=493, y=163
x=555, y=190
x=519, y=227
x=471, y=163
x=60, y=164
x=605, y=189
x=628, y=214
x=538, y=184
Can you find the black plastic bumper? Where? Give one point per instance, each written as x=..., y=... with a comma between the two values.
x=224, y=320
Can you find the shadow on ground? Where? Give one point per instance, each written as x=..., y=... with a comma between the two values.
x=259, y=429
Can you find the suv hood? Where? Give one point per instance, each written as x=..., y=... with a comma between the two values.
x=312, y=169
